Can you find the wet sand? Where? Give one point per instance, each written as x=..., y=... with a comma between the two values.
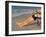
x=33, y=26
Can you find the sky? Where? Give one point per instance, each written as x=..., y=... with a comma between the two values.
x=20, y=10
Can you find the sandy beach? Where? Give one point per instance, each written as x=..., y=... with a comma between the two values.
x=33, y=26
